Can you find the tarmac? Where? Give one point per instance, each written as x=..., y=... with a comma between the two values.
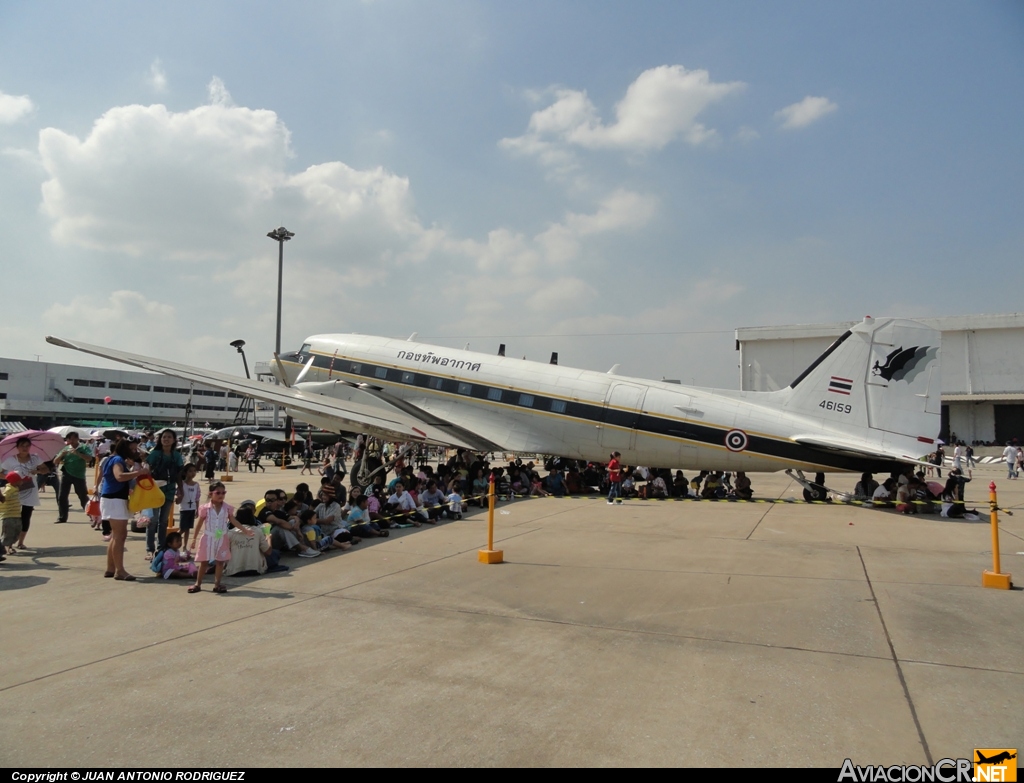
x=657, y=633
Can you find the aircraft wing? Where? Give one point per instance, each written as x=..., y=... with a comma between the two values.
x=354, y=410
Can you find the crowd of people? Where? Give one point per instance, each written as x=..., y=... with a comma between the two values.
x=338, y=514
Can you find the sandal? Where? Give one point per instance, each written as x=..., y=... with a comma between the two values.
x=108, y=574
x=219, y=589
x=125, y=578
x=195, y=588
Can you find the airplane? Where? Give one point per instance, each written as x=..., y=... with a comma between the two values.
x=996, y=759
x=870, y=402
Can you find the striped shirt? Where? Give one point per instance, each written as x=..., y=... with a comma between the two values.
x=10, y=508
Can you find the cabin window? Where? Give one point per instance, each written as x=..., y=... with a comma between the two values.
x=465, y=388
x=558, y=406
x=408, y=377
x=526, y=400
x=436, y=383
x=356, y=369
x=494, y=394
x=381, y=372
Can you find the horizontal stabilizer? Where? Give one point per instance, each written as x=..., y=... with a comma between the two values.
x=850, y=447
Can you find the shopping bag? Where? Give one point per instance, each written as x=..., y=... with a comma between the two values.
x=146, y=494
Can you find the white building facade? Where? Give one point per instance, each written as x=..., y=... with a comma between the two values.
x=43, y=395
x=982, y=369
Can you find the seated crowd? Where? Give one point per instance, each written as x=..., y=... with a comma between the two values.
x=252, y=537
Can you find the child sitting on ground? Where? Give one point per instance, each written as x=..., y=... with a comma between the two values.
x=359, y=522
x=175, y=564
x=454, y=509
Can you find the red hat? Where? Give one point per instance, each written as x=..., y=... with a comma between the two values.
x=14, y=477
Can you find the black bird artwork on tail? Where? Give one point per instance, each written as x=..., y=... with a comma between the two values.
x=901, y=364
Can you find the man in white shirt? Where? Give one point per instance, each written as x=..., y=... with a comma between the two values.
x=402, y=506
x=1010, y=455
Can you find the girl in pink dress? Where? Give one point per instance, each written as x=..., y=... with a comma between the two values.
x=211, y=537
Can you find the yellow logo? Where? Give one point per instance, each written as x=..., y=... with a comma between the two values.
x=998, y=765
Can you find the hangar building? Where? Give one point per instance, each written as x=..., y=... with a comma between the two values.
x=44, y=394
x=982, y=368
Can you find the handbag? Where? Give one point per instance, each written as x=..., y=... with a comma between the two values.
x=92, y=508
x=145, y=495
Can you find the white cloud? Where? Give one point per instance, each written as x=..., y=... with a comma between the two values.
x=140, y=322
x=564, y=294
x=149, y=180
x=14, y=108
x=157, y=78
x=802, y=114
x=661, y=106
x=746, y=134
x=203, y=187
x=218, y=93
x=621, y=210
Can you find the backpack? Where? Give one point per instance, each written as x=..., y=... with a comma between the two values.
x=157, y=566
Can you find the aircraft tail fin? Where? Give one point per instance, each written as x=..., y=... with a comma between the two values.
x=877, y=387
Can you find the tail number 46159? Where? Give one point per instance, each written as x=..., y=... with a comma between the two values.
x=838, y=407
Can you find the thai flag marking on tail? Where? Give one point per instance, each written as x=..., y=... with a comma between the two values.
x=840, y=385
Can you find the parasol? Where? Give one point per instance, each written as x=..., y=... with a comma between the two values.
x=45, y=445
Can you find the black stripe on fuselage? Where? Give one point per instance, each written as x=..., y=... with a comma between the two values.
x=757, y=445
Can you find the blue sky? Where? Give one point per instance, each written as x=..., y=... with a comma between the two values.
x=469, y=170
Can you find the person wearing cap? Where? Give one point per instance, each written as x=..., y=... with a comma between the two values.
x=72, y=459
x=10, y=512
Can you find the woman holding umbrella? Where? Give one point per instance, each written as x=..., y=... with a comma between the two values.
x=28, y=462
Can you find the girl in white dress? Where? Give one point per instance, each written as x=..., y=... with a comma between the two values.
x=211, y=540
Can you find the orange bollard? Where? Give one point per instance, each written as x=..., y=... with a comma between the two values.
x=490, y=555
x=995, y=578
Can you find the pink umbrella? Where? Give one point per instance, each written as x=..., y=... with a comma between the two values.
x=45, y=445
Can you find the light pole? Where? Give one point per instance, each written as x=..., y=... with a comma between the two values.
x=279, y=235
x=242, y=414
x=239, y=345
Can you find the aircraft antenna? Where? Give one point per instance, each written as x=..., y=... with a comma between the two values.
x=501, y=349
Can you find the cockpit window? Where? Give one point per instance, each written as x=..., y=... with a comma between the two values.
x=305, y=348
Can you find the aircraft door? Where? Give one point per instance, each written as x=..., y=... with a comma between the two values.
x=621, y=412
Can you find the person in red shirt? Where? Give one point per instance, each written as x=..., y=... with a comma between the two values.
x=614, y=477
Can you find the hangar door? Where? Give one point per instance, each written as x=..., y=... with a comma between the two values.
x=1009, y=423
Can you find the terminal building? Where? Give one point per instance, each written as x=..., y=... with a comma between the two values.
x=982, y=369
x=40, y=395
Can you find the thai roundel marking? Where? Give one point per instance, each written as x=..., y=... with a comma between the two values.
x=736, y=440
